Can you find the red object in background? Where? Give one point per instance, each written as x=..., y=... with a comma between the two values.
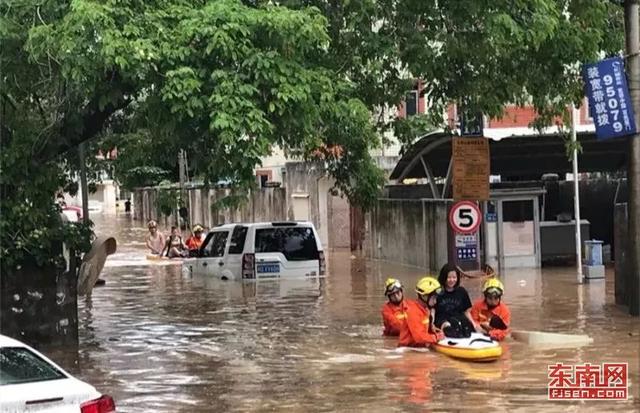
x=77, y=209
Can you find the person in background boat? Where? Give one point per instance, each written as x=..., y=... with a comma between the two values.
x=155, y=239
x=174, y=246
x=490, y=312
x=392, y=310
x=194, y=242
x=417, y=328
x=453, y=311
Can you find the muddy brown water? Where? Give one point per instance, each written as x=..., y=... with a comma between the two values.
x=157, y=340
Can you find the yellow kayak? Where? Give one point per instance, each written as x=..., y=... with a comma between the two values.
x=478, y=347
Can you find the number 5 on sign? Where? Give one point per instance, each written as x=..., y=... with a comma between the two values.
x=465, y=217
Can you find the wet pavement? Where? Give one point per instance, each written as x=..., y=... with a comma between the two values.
x=160, y=341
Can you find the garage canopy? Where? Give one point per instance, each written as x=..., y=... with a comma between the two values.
x=521, y=157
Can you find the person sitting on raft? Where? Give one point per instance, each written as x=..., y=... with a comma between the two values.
x=453, y=311
x=416, y=328
x=194, y=242
x=490, y=312
x=155, y=240
x=392, y=310
x=175, y=246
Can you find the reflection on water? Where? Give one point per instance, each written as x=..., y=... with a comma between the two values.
x=161, y=341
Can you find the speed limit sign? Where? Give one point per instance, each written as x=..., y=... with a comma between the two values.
x=465, y=217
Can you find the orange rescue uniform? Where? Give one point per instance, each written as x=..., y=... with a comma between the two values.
x=482, y=314
x=416, y=329
x=392, y=316
x=194, y=243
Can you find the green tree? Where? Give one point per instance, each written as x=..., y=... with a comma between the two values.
x=226, y=81
x=486, y=54
x=220, y=79
x=478, y=53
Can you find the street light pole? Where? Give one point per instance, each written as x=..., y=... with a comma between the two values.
x=632, y=40
x=576, y=195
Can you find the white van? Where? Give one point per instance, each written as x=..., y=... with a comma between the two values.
x=259, y=250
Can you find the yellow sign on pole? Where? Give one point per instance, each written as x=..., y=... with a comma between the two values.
x=471, y=168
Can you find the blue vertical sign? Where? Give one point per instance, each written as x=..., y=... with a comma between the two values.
x=609, y=100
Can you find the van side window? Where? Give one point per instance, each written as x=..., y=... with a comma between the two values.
x=215, y=246
x=238, y=236
x=295, y=243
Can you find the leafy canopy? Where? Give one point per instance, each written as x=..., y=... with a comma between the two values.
x=227, y=80
x=220, y=79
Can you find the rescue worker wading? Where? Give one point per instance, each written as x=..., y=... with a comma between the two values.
x=417, y=329
x=393, y=310
x=490, y=312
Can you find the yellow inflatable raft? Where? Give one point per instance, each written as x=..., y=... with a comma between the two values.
x=160, y=259
x=154, y=257
x=478, y=347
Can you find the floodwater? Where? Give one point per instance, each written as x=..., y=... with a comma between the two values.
x=157, y=340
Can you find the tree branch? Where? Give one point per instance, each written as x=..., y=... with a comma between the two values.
x=92, y=120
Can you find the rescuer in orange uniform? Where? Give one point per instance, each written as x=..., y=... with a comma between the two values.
x=417, y=329
x=490, y=312
x=195, y=241
x=393, y=310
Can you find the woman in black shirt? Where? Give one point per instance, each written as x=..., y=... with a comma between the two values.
x=453, y=311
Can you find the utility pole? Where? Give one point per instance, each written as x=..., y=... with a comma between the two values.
x=632, y=40
x=576, y=195
x=182, y=210
x=83, y=183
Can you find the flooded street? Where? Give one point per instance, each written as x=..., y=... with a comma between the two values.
x=160, y=341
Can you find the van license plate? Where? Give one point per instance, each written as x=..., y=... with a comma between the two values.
x=269, y=268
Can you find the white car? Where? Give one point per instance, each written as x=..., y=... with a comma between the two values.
x=261, y=250
x=30, y=382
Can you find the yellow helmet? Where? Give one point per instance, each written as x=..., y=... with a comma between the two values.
x=493, y=286
x=391, y=285
x=428, y=286
x=152, y=224
x=197, y=228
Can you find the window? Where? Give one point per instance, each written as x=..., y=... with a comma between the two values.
x=214, y=244
x=20, y=365
x=295, y=243
x=238, y=237
x=412, y=103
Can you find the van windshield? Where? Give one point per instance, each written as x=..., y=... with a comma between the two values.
x=295, y=243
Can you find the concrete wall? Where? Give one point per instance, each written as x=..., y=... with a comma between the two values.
x=339, y=221
x=264, y=204
x=303, y=183
x=306, y=195
x=145, y=209
x=410, y=232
